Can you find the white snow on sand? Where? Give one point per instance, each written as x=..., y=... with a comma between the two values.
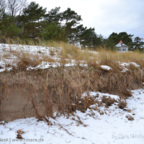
x=105, y=67
x=10, y=55
x=124, y=64
x=83, y=128
x=99, y=95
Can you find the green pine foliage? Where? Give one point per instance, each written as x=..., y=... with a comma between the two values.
x=53, y=31
x=8, y=27
x=35, y=22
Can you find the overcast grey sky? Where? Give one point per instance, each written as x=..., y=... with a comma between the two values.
x=106, y=16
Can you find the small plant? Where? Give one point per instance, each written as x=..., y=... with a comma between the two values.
x=25, y=62
x=85, y=102
x=19, y=134
x=127, y=93
x=25, y=59
x=122, y=104
x=108, y=101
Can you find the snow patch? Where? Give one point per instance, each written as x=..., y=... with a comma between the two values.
x=124, y=70
x=99, y=95
x=105, y=67
x=83, y=128
x=128, y=64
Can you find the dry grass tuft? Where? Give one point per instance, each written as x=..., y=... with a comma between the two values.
x=47, y=59
x=108, y=101
x=26, y=59
x=122, y=104
x=127, y=93
x=85, y=102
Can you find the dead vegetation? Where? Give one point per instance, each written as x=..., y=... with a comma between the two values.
x=108, y=101
x=25, y=62
x=66, y=52
x=60, y=89
x=122, y=104
x=19, y=134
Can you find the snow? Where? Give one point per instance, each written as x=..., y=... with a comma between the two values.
x=112, y=127
x=9, y=58
x=124, y=70
x=135, y=64
x=105, y=67
x=124, y=64
x=100, y=95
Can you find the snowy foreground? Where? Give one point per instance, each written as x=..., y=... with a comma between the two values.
x=112, y=127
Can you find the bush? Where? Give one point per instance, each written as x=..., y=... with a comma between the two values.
x=108, y=101
x=122, y=104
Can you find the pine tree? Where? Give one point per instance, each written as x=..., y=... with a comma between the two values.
x=137, y=44
x=53, y=16
x=70, y=20
x=8, y=27
x=32, y=20
x=53, y=31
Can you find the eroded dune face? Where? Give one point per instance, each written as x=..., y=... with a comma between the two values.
x=40, y=93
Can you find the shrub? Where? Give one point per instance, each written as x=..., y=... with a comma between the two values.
x=26, y=59
x=108, y=101
x=122, y=104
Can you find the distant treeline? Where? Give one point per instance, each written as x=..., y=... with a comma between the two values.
x=31, y=21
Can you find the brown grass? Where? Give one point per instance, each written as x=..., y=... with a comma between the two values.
x=93, y=58
x=78, y=54
x=122, y=57
x=108, y=101
x=51, y=52
x=60, y=89
x=26, y=59
x=122, y=104
x=84, y=103
x=47, y=59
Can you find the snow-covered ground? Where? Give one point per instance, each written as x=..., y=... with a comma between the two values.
x=10, y=55
x=111, y=127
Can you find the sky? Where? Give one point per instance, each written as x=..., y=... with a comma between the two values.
x=106, y=16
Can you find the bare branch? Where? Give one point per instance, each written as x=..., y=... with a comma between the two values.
x=2, y=5
x=16, y=6
x=23, y=5
x=2, y=8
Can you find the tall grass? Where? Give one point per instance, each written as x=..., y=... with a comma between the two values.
x=69, y=50
x=64, y=86
x=60, y=90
